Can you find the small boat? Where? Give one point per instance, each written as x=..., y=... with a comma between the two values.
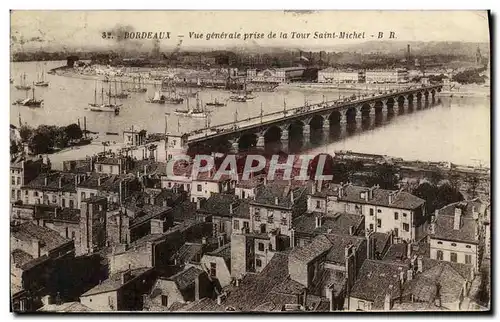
x=109, y=107
x=157, y=99
x=41, y=82
x=241, y=98
x=31, y=102
x=137, y=88
x=215, y=103
x=198, y=112
x=22, y=85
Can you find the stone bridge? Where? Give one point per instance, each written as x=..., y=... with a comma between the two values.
x=297, y=123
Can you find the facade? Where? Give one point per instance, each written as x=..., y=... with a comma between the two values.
x=385, y=211
x=21, y=173
x=134, y=137
x=275, y=75
x=93, y=224
x=217, y=264
x=396, y=76
x=456, y=234
x=331, y=75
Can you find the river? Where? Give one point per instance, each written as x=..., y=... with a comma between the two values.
x=456, y=130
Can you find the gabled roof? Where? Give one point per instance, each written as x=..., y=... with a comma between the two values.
x=444, y=229
x=219, y=204
x=48, y=238
x=53, y=181
x=114, y=282
x=317, y=247
x=185, y=278
x=266, y=195
x=338, y=223
x=402, y=200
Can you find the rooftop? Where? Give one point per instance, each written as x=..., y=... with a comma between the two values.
x=53, y=181
x=444, y=229
x=114, y=282
x=185, y=278
x=48, y=238
x=65, y=307
x=338, y=223
x=220, y=204
x=282, y=192
x=105, y=182
x=223, y=252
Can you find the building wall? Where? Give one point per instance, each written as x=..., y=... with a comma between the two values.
x=102, y=302
x=239, y=255
x=223, y=273
x=169, y=289
x=93, y=225
x=132, y=259
x=461, y=249
x=359, y=304
x=117, y=229
x=63, y=199
x=239, y=223
x=107, y=168
x=386, y=216
x=67, y=230
x=206, y=187
x=244, y=193
x=270, y=218
x=264, y=256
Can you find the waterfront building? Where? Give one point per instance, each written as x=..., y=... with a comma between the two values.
x=332, y=75
x=134, y=137
x=382, y=76
x=276, y=75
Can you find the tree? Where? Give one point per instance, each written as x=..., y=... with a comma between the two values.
x=40, y=142
x=385, y=175
x=61, y=140
x=73, y=132
x=25, y=132
x=446, y=194
x=14, y=148
x=428, y=192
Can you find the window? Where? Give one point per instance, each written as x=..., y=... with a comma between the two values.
x=54, y=198
x=246, y=225
x=13, y=193
x=257, y=211
x=13, y=180
x=468, y=259
x=35, y=193
x=71, y=204
x=379, y=223
x=371, y=226
x=169, y=184
x=440, y=243
x=18, y=194
x=164, y=300
x=379, y=210
x=25, y=192
x=236, y=225
x=18, y=181
x=82, y=196
x=371, y=211
x=396, y=232
x=263, y=228
x=198, y=188
x=439, y=255
x=453, y=257
x=406, y=227
x=67, y=232
x=396, y=216
x=270, y=218
x=270, y=247
x=73, y=235
x=284, y=219
x=318, y=204
x=63, y=203
x=468, y=246
x=453, y=244
x=261, y=247
x=404, y=214
x=242, y=194
x=258, y=263
x=213, y=269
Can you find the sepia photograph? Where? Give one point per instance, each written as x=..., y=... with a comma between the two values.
x=279, y=161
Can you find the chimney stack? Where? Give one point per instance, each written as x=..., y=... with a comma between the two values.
x=276, y=201
x=408, y=250
x=351, y=230
x=37, y=252
x=420, y=264
x=292, y=238
x=313, y=189
x=292, y=197
x=388, y=299
x=145, y=169
x=231, y=208
x=410, y=274
x=458, y=218
x=45, y=181
x=319, y=221
x=60, y=182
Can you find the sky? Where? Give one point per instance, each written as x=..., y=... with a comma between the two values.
x=80, y=29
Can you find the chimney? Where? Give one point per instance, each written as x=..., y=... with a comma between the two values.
x=388, y=299
x=313, y=189
x=319, y=221
x=292, y=238
x=231, y=210
x=220, y=299
x=391, y=197
x=99, y=181
x=45, y=181
x=408, y=250
x=60, y=182
x=292, y=199
x=276, y=201
x=197, y=288
x=432, y=227
x=410, y=274
x=55, y=212
x=420, y=264
x=145, y=169
x=36, y=250
x=341, y=190
x=204, y=240
x=331, y=291
x=458, y=218
x=305, y=299
x=351, y=230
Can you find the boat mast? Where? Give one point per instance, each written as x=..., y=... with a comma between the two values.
x=33, y=90
x=109, y=94
x=95, y=93
x=102, y=94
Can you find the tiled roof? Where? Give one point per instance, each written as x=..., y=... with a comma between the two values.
x=56, y=181
x=20, y=257
x=402, y=200
x=328, y=277
x=374, y=279
x=61, y=214
x=49, y=238
x=108, y=182
x=146, y=213
x=186, y=277
x=444, y=229
x=243, y=209
x=318, y=246
x=252, y=182
x=114, y=282
x=65, y=307
x=150, y=166
x=184, y=211
x=381, y=240
x=327, y=189
x=189, y=252
x=266, y=195
x=108, y=160
x=338, y=223
x=202, y=305
x=219, y=204
x=223, y=252
x=336, y=253
x=465, y=206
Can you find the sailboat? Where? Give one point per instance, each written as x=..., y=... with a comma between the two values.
x=95, y=104
x=137, y=88
x=109, y=107
x=198, y=112
x=41, y=80
x=157, y=99
x=173, y=97
x=31, y=102
x=22, y=84
x=122, y=94
x=189, y=93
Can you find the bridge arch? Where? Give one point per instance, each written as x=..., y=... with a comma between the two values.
x=350, y=114
x=365, y=111
x=295, y=135
x=379, y=106
x=272, y=137
x=316, y=122
x=335, y=117
x=247, y=141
